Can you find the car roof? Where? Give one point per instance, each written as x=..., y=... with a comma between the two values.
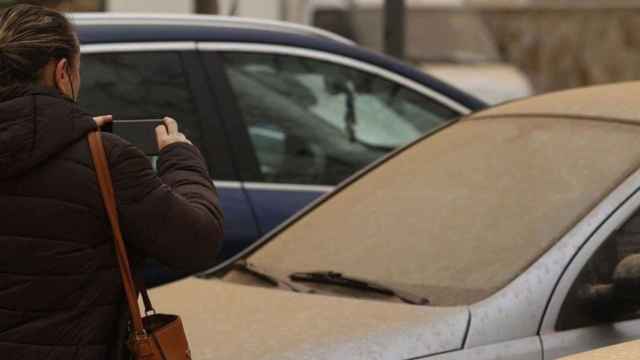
x=611, y=102
x=133, y=28
x=216, y=21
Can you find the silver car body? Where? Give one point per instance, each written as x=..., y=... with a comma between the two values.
x=516, y=322
x=226, y=321
x=627, y=351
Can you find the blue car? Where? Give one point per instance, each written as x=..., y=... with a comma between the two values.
x=282, y=112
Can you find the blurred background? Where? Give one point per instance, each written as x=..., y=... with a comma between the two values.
x=497, y=49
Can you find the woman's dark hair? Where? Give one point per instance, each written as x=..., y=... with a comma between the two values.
x=30, y=37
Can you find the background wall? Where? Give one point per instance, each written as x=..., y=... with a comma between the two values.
x=269, y=9
x=172, y=6
x=562, y=48
x=558, y=44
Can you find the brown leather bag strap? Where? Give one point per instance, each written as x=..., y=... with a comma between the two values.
x=148, y=307
x=108, y=196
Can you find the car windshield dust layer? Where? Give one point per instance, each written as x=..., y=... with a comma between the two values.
x=460, y=214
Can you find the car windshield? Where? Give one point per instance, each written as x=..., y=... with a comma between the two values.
x=458, y=215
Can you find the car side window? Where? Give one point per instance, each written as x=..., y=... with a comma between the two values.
x=583, y=306
x=316, y=122
x=139, y=85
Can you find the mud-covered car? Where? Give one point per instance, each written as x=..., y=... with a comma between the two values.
x=627, y=351
x=512, y=233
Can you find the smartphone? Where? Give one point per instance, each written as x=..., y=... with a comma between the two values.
x=141, y=133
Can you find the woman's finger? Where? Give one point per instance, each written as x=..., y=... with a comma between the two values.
x=183, y=138
x=172, y=125
x=161, y=135
x=103, y=119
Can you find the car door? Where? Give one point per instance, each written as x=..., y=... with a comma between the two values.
x=311, y=119
x=153, y=80
x=576, y=320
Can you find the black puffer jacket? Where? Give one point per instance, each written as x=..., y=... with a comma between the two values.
x=60, y=289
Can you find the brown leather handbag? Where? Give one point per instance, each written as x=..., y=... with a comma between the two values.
x=154, y=336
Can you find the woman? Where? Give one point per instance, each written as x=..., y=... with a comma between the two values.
x=60, y=290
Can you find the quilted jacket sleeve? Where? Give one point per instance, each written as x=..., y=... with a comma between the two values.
x=172, y=216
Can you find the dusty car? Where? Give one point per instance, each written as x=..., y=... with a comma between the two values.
x=627, y=351
x=512, y=233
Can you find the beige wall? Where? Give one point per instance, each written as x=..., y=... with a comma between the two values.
x=557, y=46
x=265, y=9
x=573, y=47
x=165, y=6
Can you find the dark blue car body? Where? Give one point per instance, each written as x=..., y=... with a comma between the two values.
x=250, y=211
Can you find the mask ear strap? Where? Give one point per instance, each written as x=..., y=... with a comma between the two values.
x=73, y=91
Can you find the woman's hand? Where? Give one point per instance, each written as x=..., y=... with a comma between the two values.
x=168, y=133
x=103, y=119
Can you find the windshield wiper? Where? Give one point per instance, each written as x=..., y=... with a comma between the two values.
x=270, y=277
x=336, y=278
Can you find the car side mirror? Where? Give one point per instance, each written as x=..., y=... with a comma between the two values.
x=626, y=279
x=625, y=285
x=613, y=300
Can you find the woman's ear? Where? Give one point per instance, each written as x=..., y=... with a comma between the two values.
x=62, y=80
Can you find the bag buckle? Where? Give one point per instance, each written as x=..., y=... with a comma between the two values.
x=141, y=335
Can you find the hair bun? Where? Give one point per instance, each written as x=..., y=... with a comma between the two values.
x=30, y=37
